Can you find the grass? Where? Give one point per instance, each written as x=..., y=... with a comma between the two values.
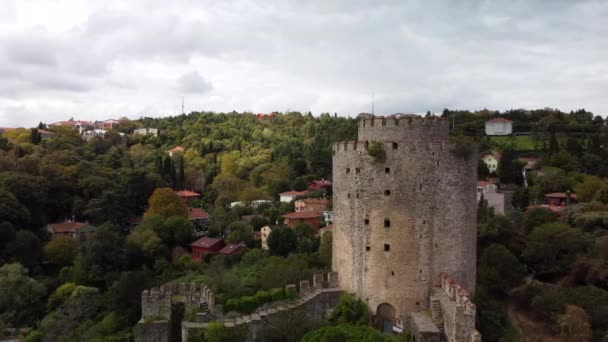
x=520, y=143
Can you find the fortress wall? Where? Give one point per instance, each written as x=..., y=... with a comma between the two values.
x=458, y=311
x=403, y=128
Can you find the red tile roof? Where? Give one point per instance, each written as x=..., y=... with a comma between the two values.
x=187, y=193
x=302, y=215
x=553, y=208
x=293, y=193
x=499, y=120
x=197, y=214
x=206, y=242
x=323, y=182
x=482, y=184
x=176, y=149
x=231, y=248
x=67, y=226
x=315, y=200
x=72, y=123
x=560, y=195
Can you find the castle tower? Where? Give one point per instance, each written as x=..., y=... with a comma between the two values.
x=403, y=220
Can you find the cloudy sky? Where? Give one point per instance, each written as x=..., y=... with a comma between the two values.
x=92, y=59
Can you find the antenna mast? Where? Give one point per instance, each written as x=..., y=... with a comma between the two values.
x=372, y=103
x=183, y=112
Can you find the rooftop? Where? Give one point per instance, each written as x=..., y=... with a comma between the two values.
x=293, y=193
x=67, y=226
x=187, y=193
x=197, y=214
x=206, y=242
x=302, y=215
x=499, y=120
x=231, y=249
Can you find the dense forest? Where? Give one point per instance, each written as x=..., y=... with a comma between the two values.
x=550, y=268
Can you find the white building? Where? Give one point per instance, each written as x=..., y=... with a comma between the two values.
x=145, y=131
x=499, y=126
x=289, y=196
x=88, y=135
x=266, y=230
x=499, y=201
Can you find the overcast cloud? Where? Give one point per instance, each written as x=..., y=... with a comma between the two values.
x=112, y=58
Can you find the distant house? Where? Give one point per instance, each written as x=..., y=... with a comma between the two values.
x=88, y=135
x=177, y=149
x=266, y=230
x=311, y=218
x=289, y=196
x=188, y=196
x=204, y=246
x=560, y=199
x=264, y=116
x=200, y=220
x=317, y=205
x=107, y=124
x=491, y=160
x=499, y=126
x=499, y=201
x=81, y=231
x=146, y=131
x=328, y=216
x=322, y=184
x=44, y=134
x=77, y=125
x=232, y=249
x=253, y=204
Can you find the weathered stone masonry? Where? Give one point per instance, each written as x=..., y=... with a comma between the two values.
x=401, y=222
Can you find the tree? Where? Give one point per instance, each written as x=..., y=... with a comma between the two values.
x=552, y=247
x=104, y=256
x=20, y=296
x=350, y=310
x=325, y=249
x=347, y=332
x=165, y=202
x=61, y=250
x=11, y=210
x=575, y=324
x=509, y=169
x=25, y=249
x=282, y=241
x=499, y=269
x=376, y=151
x=586, y=190
x=535, y=217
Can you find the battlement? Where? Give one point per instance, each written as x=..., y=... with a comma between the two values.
x=156, y=304
x=457, y=294
x=403, y=127
x=364, y=145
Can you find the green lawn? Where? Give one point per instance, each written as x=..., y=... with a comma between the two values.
x=521, y=143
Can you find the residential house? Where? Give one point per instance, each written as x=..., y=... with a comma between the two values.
x=491, y=160
x=264, y=116
x=317, y=205
x=204, y=246
x=497, y=200
x=532, y=163
x=289, y=196
x=266, y=230
x=311, y=218
x=81, y=231
x=560, y=199
x=106, y=124
x=200, y=220
x=499, y=126
x=253, y=204
x=233, y=249
x=146, y=131
x=188, y=196
x=88, y=135
x=322, y=184
x=177, y=149
x=77, y=125
x=44, y=134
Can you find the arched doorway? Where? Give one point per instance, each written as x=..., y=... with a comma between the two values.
x=385, y=317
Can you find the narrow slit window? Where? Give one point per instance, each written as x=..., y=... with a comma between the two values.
x=348, y=170
x=387, y=247
x=357, y=170
x=392, y=273
x=387, y=192
x=366, y=221
x=387, y=170
x=387, y=223
x=367, y=248
x=395, y=146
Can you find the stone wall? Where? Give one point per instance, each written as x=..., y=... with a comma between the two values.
x=314, y=301
x=458, y=311
x=401, y=221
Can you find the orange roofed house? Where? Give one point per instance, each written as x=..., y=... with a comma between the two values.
x=289, y=196
x=81, y=231
x=311, y=218
x=177, y=149
x=232, y=249
x=200, y=219
x=188, y=196
x=318, y=205
x=204, y=246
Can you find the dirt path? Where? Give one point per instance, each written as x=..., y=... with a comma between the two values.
x=530, y=330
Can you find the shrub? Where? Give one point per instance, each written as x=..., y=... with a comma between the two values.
x=278, y=294
x=376, y=151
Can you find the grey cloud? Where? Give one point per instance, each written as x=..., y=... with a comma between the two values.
x=193, y=83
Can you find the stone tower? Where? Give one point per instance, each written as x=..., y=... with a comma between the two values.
x=403, y=220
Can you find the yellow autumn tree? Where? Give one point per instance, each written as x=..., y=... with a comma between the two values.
x=165, y=202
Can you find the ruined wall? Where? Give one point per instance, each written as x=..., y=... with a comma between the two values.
x=424, y=191
x=458, y=311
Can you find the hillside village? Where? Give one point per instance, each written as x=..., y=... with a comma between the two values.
x=240, y=209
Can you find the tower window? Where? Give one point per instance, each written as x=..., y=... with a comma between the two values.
x=366, y=221
x=387, y=192
x=387, y=247
x=348, y=195
x=420, y=186
x=395, y=146
x=387, y=223
x=387, y=170
x=357, y=195
x=367, y=248
x=392, y=273
x=357, y=170
x=348, y=170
